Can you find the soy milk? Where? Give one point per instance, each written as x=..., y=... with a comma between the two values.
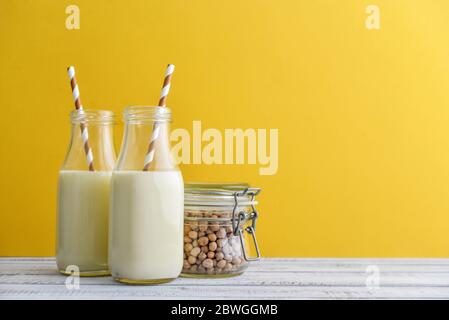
x=146, y=225
x=83, y=209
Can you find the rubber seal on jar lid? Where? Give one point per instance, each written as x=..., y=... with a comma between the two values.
x=219, y=194
x=231, y=186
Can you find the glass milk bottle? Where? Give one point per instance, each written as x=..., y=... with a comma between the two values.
x=147, y=202
x=83, y=195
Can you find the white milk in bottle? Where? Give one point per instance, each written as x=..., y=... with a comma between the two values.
x=146, y=242
x=147, y=206
x=83, y=206
x=83, y=197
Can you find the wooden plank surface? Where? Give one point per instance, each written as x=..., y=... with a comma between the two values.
x=37, y=278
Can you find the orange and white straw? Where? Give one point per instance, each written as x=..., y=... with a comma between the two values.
x=79, y=107
x=162, y=103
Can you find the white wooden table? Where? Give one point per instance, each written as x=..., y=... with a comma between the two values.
x=37, y=278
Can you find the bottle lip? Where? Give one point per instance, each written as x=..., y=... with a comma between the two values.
x=92, y=116
x=146, y=113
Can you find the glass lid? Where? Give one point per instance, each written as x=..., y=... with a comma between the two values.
x=219, y=194
x=238, y=186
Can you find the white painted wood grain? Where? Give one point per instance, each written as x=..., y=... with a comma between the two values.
x=220, y=292
x=283, y=278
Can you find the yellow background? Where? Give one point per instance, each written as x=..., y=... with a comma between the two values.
x=363, y=116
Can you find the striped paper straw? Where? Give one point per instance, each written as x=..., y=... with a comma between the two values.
x=162, y=103
x=79, y=106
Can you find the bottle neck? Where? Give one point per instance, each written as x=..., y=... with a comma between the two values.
x=144, y=137
x=91, y=138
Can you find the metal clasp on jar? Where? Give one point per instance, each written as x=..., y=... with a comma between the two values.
x=245, y=216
